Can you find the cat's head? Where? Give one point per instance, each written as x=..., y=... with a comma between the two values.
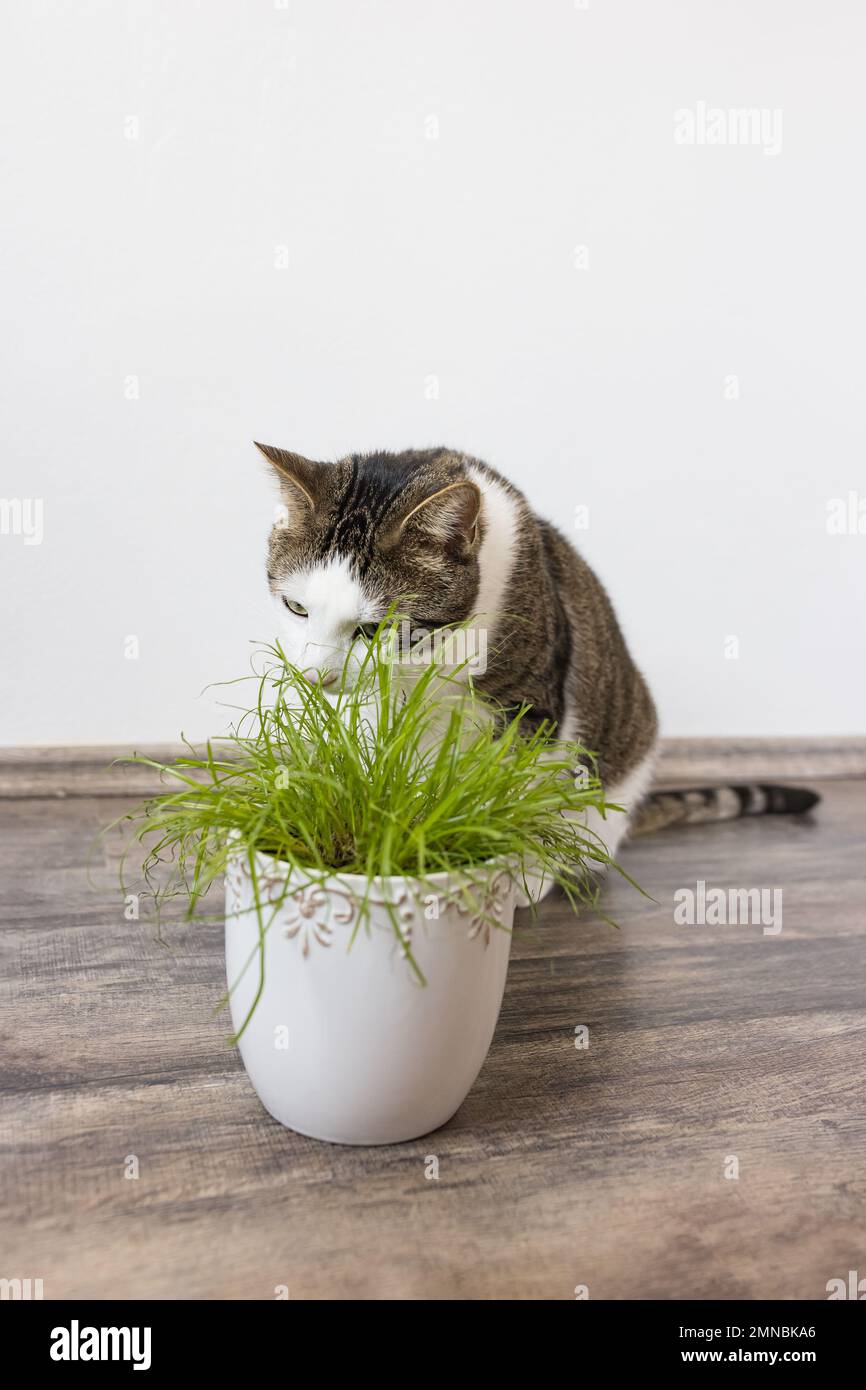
x=370, y=533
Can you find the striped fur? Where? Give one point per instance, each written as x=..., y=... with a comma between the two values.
x=709, y=805
x=450, y=540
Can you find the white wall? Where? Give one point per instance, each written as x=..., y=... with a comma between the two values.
x=411, y=257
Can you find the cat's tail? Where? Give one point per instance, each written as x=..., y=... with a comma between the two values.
x=707, y=805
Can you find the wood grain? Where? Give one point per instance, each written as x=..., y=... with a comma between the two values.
x=602, y=1167
x=684, y=760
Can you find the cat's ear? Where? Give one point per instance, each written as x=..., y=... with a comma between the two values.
x=295, y=472
x=447, y=518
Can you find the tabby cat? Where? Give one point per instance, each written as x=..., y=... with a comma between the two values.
x=451, y=540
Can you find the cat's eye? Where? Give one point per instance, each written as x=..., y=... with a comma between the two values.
x=297, y=608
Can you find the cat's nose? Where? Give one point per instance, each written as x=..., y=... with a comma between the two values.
x=317, y=677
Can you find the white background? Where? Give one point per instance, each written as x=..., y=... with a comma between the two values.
x=409, y=257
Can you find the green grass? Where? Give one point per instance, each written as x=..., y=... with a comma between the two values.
x=440, y=781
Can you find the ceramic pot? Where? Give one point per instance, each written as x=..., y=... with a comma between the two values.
x=345, y=1044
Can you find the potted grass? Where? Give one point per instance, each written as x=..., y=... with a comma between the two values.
x=372, y=843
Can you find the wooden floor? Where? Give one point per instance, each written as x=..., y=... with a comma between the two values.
x=602, y=1167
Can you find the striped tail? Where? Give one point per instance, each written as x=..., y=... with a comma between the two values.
x=706, y=805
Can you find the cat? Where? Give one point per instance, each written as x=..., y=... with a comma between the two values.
x=450, y=540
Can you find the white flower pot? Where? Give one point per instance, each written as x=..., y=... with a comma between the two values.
x=347, y=1045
